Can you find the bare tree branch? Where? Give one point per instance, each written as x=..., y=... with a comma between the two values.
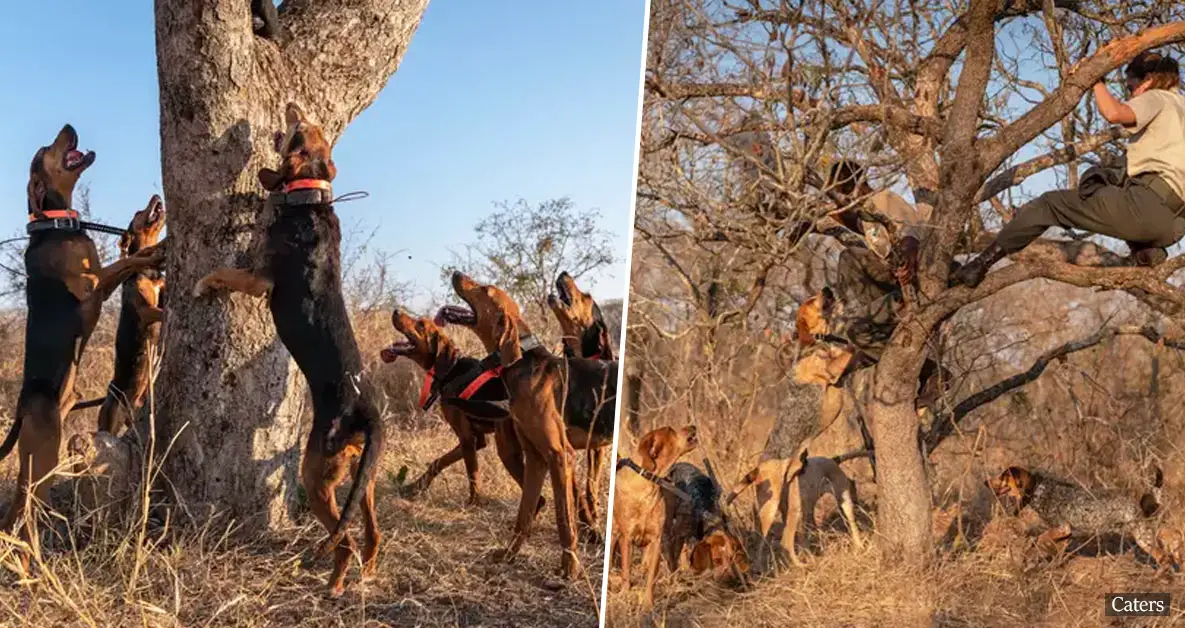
x=1016, y=174
x=945, y=424
x=1085, y=74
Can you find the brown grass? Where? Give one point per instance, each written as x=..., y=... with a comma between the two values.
x=1100, y=418
x=435, y=566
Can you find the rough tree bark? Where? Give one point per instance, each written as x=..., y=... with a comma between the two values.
x=230, y=396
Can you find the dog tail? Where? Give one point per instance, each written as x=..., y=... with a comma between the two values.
x=367, y=466
x=89, y=403
x=749, y=480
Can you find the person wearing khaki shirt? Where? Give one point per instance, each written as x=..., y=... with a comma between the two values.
x=1146, y=209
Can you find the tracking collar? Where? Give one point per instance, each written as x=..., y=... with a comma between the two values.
x=652, y=477
x=304, y=192
x=59, y=219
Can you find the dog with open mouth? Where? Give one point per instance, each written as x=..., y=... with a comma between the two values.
x=557, y=404
x=1075, y=511
x=140, y=318
x=65, y=291
x=452, y=376
x=586, y=335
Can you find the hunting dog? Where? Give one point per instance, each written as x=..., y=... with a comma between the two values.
x=65, y=291
x=556, y=404
x=696, y=519
x=1072, y=510
x=140, y=317
x=639, y=509
x=816, y=475
x=300, y=274
x=450, y=375
x=585, y=335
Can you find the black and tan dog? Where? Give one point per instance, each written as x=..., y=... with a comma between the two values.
x=586, y=335
x=556, y=404
x=140, y=317
x=452, y=376
x=301, y=276
x=65, y=291
x=698, y=522
x=1072, y=510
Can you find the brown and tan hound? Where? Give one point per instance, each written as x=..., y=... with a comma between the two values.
x=65, y=291
x=639, y=510
x=449, y=374
x=555, y=403
x=300, y=274
x=140, y=317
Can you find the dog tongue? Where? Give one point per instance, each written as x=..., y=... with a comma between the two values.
x=440, y=320
x=389, y=355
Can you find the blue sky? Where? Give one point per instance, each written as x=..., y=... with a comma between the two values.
x=493, y=101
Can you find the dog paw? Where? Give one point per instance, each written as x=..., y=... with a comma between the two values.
x=202, y=288
x=570, y=568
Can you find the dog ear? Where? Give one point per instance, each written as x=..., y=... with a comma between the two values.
x=648, y=449
x=701, y=558
x=36, y=193
x=802, y=324
x=270, y=179
x=509, y=349
x=125, y=243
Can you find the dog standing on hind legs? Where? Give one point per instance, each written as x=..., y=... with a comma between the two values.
x=140, y=317
x=65, y=291
x=301, y=276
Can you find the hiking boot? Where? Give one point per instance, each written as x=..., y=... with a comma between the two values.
x=1148, y=256
x=972, y=273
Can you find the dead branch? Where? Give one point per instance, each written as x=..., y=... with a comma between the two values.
x=947, y=423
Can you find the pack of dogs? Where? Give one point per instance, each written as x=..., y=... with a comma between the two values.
x=665, y=507
x=539, y=407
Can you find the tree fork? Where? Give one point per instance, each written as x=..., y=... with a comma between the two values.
x=230, y=395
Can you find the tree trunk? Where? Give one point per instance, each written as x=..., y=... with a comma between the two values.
x=231, y=398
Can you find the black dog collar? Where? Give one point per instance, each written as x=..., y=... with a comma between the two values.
x=304, y=192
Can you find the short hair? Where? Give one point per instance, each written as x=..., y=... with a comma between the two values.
x=1162, y=70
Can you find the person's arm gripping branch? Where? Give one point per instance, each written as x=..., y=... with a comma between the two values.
x=1133, y=115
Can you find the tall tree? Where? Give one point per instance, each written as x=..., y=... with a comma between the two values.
x=230, y=397
x=940, y=99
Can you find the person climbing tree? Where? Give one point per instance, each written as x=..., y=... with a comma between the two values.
x=1141, y=206
x=869, y=280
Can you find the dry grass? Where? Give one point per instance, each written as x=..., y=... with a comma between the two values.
x=435, y=566
x=843, y=587
x=1092, y=419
